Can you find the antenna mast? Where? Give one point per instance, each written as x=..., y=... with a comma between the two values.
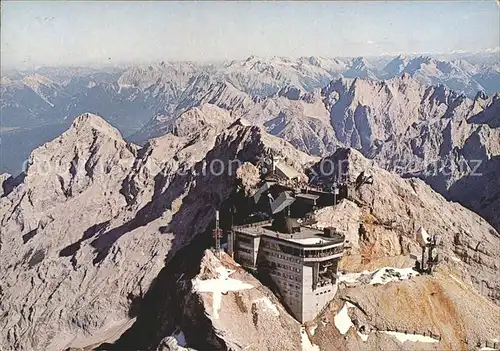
x=335, y=189
x=217, y=234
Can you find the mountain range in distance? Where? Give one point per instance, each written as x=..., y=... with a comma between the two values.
x=130, y=96
x=427, y=112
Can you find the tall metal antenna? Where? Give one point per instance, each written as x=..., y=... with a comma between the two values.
x=428, y=243
x=217, y=234
x=335, y=190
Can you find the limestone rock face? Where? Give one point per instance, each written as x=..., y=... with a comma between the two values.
x=418, y=130
x=101, y=240
x=95, y=219
x=249, y=176
x=382, y=317
x=70, y=194
x=249, y=312
x=393, y=209
x=304, y=121
x=422, y=131
x=189, y=122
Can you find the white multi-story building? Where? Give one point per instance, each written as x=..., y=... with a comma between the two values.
x=302, y=267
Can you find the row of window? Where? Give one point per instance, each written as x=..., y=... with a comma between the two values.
x=282, y=257
x=290, y=268
x=292, y=286
x=324, y=253
x=281, y=248
x=287, y=276
x=242, y=239
x=243, y=245
x=244, y=258
x=291, y=294
x=323, y=292
x=301, y=252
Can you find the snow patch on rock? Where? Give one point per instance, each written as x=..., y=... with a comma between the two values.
x=218, y=286
x=389, y=274
x=351, y=277
x=379, y=276
x=342, y=320
x=306, y=344
x=363, y=337
x=410, y=337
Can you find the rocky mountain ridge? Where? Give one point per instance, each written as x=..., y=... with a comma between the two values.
x=416, y=129
x=426, y=131
x=91, y=236
x=92, y=205
x=37, y=105
x=70, y=92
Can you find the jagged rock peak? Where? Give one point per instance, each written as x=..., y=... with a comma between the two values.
x=36, y=79
x=198, y=118
x=359, y=62
x=252, y=59
x=398, y=60
x=423, y=59
x=91, y=122
x=334, y=85
x=241, y=122
x=314, y=60
x=395, y=66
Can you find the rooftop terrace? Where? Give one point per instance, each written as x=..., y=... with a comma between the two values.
x=307, y=237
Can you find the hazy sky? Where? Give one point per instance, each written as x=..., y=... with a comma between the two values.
x=52, y=33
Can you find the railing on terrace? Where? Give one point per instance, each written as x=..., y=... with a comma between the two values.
x=250, y=225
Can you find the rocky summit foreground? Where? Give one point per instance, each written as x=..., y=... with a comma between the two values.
x=103, y=245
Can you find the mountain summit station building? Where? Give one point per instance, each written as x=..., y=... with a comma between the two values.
x=301, y=266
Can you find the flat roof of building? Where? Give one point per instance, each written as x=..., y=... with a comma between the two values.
x=307, y=196
x=306, y=237
x=287, y=170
